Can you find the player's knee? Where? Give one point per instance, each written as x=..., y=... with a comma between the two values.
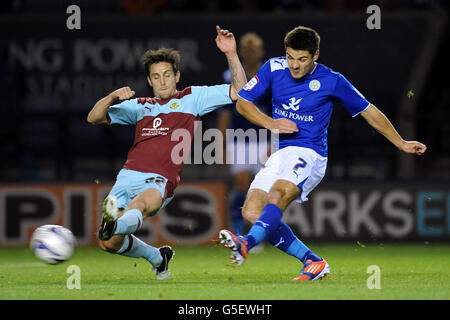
x=148, y=202
x=283, y=196
x=275, y=197
x=250, y=215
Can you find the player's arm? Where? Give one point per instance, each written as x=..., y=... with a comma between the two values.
x=252, y=113
x=227, y=44
x=99, y=113
x=382, y=124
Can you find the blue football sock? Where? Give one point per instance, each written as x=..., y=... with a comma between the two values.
x=129, y=222
x=310, y=255
x=136, y=248
x=284, y=239
x=236, y=212
x=264, y=226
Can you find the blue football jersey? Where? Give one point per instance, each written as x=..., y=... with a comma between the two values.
x=307, y=101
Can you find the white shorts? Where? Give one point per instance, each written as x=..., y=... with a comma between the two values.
x=302, y=166
x=249, y=156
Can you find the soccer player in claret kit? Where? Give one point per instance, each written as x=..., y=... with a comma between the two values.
x=302, y=100
x=149, y=177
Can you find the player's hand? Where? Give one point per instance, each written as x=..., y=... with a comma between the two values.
x=283, y=125
x=413, y=147
x=225, y=41
x=124, y=93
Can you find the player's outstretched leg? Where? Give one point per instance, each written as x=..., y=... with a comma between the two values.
x=265, y=225
x=280, y=195
x=116, y=233
x=136, y=248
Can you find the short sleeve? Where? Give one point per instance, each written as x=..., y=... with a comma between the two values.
x=257, y=85
x=350, y=97
x=209, y=98
x=124, y=112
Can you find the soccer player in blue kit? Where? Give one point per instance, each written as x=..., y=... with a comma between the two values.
x=302, y=99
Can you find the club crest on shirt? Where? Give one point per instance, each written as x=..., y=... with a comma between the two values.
x=174, y=105
x=314, y=85
x=251, y=84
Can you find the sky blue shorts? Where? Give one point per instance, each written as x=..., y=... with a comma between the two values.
x=130, y=183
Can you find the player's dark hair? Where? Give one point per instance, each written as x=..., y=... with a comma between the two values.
x=169, y=55
x=302, y=38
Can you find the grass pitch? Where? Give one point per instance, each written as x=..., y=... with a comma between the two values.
x=204, y=273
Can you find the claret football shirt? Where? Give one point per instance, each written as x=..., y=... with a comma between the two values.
x=156, y=122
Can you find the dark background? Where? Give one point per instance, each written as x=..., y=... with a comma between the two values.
x=46, y=89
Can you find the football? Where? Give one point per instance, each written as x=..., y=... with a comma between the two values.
x=52, y=243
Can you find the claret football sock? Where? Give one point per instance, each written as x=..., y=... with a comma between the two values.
x=136, y=248
x=264, y=226
x=129, y=222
